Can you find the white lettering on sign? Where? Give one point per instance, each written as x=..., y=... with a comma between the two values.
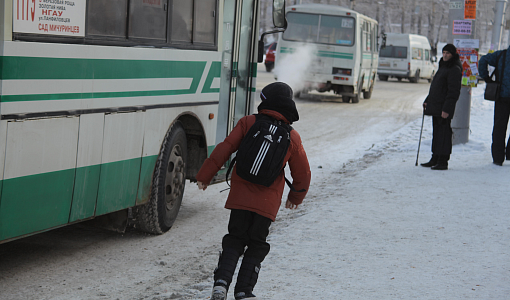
x=56, y=17
x=456, y=5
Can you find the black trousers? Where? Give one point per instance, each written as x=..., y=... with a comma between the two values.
x=248, y=229
x=501, y=114
x=441, y=136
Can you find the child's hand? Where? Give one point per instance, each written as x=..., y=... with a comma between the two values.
x=201, y=185
x=290, y=205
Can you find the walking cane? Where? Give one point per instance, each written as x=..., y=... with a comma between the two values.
x=419, y=143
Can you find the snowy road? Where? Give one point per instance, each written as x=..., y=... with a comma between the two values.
x=342, y=243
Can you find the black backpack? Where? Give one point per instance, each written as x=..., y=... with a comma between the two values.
x=262, y=151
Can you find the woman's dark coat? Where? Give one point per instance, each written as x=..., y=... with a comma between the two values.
x=445, y=88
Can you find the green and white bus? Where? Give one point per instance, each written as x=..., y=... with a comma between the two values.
x=108, y=106
x=345, y=49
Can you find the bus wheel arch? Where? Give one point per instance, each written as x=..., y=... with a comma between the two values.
x=178, y=155
x=159, y=213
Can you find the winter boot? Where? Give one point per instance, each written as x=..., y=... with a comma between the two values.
x=243, y=295
x=224, y=272
x=442, y=163
x=247, y=278
x=432, y=162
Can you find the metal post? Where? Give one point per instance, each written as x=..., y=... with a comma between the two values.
x=497, y=27
x=460, y=121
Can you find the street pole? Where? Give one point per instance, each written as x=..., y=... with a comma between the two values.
x=497, y=27
x=460, y=121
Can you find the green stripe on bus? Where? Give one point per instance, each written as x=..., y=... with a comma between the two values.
x=85, y=193
x=210, y=150
x=332, y=54
x=146, y=172
x=254, y=67
x=35, y=203
x=16, y=67
x=214, y=72
x=40, y=202
x=71, y=96
x=118, y=185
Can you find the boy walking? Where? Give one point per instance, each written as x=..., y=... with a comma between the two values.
x=253, y=206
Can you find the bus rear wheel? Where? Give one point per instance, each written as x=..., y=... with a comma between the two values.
x=383, y=77
x=357, y=97
x=159, y=214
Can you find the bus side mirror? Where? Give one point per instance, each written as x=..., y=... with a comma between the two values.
x=279, y=14
x=260, y=57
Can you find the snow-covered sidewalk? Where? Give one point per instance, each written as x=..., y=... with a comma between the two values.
x=382, y=228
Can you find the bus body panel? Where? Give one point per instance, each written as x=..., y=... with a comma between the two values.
x=39, y=174
x=120, y=162
x=88, y=166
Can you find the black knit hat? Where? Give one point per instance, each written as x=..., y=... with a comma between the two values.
x=450, y=48
x=275, y=89
x=277, y=96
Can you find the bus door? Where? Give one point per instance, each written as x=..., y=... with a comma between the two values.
x=237, y=69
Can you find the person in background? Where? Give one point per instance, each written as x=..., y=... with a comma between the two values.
x=252, y=206
x=501, y=106
x=440, y=104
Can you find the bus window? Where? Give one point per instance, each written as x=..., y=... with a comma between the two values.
x=205, y=22
x=107, y=18
x=393, y=52
x=182, y=21
x=302, y=27
x=147, y=19
x=336, y=30
x=427, y=54
x=417, y=53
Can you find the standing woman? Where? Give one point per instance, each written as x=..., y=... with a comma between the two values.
x=440, y=104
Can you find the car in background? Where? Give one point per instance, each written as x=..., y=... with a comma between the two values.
x=269, y=61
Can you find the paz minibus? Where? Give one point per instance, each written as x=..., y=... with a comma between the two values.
x=345, y=49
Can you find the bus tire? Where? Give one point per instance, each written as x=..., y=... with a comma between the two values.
x=383, y=77
x=368, y=94
x=159, y=214
x=416, y=77
x=431, y=77
x=346, y=99
x=357, y=97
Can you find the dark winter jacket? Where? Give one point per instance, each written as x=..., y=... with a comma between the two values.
x=245, y=195
x=490, y=59
x=445, y=88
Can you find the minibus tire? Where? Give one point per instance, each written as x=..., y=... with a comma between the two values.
x=357, y=97
x=416, y=77
x=346, y=99
x=159, y=214
x=368, y=94
x=383, y=77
